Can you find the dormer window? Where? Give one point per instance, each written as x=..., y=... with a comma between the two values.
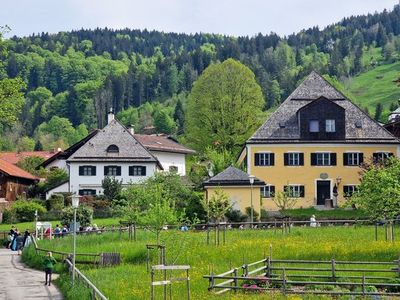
x=113, y=149
x=330, y=125
x=314, y=126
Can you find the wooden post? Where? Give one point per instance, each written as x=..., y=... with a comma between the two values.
x=224, y=236
x=363, y=284
x=392, y=225
x=134, y=232
x=386, y=231
x=333, y=271
x=268, y=266
x=235, y=281
x=208, y=235
x=188, y=283
x=284, y=281
x=152, y=286
x=376, y=231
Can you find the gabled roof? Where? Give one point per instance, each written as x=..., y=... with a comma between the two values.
x=162, y=143
x=14, y=171
x=95, y=149
x=232, y=176
x=283, y=126
x=68, y=152
x=15, y=157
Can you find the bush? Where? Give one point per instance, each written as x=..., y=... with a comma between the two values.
x=255, y=214
x=55, y=202
x=24, y=211
x=235, y=215
x=84, y=215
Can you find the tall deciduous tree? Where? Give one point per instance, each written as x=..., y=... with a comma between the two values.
x=224, y=106
x=11, y=100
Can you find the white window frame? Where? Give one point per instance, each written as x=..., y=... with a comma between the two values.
x=325, y=160
x=382, y=155
x=313, y=125
x=265, y=158
x=330, y=125
x=294, y=158
x=294, y=190
x=353, y=188
x=87, y=171
x=266, y=191
x=353, y=158
x=112, y=171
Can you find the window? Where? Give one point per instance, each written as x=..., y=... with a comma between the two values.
x=353, y=158
x=112, y=171
x=349, y=190
x=173, y=169
x=87, y=170
x=293, y=159
x=264, y=159
x=314, y=126
x=323, y=159
x=295, y=190
x=137, y=171
x=267, y=191
x=330, y=125
x=381, y=156
x=113, y=149
x=87, y=192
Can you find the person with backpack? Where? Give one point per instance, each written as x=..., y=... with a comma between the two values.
x=48, y=262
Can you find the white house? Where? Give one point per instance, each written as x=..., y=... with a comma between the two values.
x=116, y=151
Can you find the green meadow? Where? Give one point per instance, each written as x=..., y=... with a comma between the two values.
x=130, y=280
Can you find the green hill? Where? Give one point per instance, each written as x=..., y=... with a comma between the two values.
x=376, y=86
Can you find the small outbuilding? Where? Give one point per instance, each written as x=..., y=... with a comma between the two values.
x=14, y=181
x=240, y=187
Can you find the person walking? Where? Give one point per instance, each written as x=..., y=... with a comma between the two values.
x=48, y=262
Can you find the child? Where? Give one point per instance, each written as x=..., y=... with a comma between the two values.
x=48, y=262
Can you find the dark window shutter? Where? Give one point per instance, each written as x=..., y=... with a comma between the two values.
x=286, y=159
x=302, y=191
x=361, y=157
x=286, y=189
x=313, y=159
x=143, y=171
x=93, y=170
x=333, y=159
x=81, y=192
x=375, y=156
x=81, y=170
x=256, y=159
x=272, y=190
x=105, y=170
x=118, y=171
x=345, y=159
x=390, y=154
x=272, y=159
x=301, y=159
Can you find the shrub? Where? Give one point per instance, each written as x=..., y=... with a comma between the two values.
x=55, y=202
x=255, y=214
x=84, y=215
x=235, y=215
x=24, y=211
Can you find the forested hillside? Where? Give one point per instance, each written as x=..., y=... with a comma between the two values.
x=73, y=78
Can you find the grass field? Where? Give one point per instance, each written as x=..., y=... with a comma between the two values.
x=131, y=281
x=376, y=86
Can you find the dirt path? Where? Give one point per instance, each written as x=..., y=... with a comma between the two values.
x=18, y=282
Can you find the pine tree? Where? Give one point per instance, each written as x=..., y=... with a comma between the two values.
x=179, y=117
x=378, y=111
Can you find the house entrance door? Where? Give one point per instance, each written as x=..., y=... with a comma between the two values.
x=323, y=191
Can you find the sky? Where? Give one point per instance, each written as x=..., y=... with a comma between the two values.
x=231, y=17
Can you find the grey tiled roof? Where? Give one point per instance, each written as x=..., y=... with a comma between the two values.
x=232, y=176
x=283, y=125
x=95, y=149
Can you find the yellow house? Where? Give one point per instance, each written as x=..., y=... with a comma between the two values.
x=313, y=146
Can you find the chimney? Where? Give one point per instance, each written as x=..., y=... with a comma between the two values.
x=131, y=129
x=110, y=116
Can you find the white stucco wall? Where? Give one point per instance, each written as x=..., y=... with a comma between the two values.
x=168, y=159
x=59, y=163
x=60, y=189
x=78, y=182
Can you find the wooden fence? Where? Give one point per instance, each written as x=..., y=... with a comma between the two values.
x=297, y=276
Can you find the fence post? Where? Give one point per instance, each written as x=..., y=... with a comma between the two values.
x=245, y=270
x=208, y=235
x=392, y=223
x=376, y=231
x=284, y=281
x=152, y=286
x=363, y=284
x=94, y=295
x=235, y=281
x=187, y=283
x=268, y=273
x=333, y=270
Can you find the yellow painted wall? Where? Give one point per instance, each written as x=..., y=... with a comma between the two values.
x=240, y=196
x=280, y=175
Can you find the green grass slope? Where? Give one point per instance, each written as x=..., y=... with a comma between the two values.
x=376, y=86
